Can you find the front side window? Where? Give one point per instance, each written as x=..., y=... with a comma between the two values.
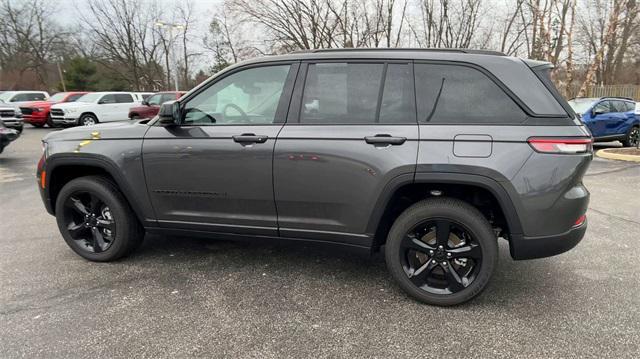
x=461, y=94
x=167, y=97
x=247, y=97
x=602, y=107
x=154, y=100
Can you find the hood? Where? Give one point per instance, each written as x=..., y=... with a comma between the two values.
x=43, y=104
x=103, y=131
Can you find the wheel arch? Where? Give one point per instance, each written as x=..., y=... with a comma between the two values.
x=403, y=191
x=89, y=113
x=63, y=168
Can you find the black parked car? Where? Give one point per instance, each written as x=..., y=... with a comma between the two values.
x=7, y=135
x=430, y=154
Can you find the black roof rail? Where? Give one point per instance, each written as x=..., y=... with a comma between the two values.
x=618, y=97
x=364, y=49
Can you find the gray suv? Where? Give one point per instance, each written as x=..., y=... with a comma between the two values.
x=431, y=155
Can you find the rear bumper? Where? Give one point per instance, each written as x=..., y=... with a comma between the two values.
x=13, y=123
x=522, y=247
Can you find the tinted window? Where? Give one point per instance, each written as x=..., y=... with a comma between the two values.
x=398, y=98
x=123, y=98
x=630, y=106
x=247, y=97
x=461, y=94
x=108, y=99
x=341, y=93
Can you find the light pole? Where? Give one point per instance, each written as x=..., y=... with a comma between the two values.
x=171, y=27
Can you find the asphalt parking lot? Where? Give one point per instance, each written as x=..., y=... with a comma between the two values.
x=185, y=297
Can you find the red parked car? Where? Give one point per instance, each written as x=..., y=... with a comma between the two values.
x=151, y=105
x=37, y=112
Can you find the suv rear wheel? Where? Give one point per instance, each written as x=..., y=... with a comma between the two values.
x=96, y=221
x=441, y=251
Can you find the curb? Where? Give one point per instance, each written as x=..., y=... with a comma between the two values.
x=617, y=156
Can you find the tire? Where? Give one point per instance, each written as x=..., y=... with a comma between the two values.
x=111, y=212
x=432, y=214
x=633, y=137
x=50, y=122
x=134, y=117
x=87, y=120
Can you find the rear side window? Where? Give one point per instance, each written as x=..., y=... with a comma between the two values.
x=398, y=97
x=630, y=106
x=341, y=93
x=460, y=94
x=357, y=93
x=123, y=98
x=106, y=99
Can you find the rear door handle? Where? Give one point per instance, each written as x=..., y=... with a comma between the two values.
x=250, y=138
x=385, y=139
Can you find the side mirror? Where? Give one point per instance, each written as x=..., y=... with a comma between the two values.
x=145, y=103
x=595, y=112
x=170, y=113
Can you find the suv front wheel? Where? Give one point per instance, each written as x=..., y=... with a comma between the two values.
x=96, y=221
x=441, y=251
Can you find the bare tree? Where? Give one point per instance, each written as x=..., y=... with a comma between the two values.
x=445, y=23
x=29, y=39
x=612, y=25
x=123, y=32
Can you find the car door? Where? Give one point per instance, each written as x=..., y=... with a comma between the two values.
x=214, y=171
x=106, y=107
x=125, y=102
x=599, y=117
x=351, y=130
x=616, y=124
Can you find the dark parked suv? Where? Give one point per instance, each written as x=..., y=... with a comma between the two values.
x=430, y=154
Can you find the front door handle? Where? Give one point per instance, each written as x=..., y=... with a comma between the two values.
x=385, y=139
x=250, y=138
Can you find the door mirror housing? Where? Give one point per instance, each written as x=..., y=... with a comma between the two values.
x=145, y=103
x=170, y=113
x=595, y=112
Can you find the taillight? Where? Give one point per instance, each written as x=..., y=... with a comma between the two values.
x=561, y=145
x=580, y=220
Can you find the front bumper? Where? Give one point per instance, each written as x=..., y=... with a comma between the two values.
x=36, y=118
x=64, y=120
x=14, y=123
x=522, y=247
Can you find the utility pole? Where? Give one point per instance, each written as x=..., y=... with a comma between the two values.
x=64, y=86
x=171, y=27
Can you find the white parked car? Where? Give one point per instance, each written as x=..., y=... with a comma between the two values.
x=15, y=98
x=95, y=107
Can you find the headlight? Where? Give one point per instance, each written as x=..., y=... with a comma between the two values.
x=37, y=109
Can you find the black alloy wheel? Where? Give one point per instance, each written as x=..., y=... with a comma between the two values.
x=441, y=251
x=95, y=219
x=89, y=222
x=440, y=256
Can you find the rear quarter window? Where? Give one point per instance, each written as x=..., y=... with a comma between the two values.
x=462, y=95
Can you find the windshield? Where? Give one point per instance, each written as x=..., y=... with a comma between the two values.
x=90, y=97
x=5, y=96
x=581, y=105
x=57, y=97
